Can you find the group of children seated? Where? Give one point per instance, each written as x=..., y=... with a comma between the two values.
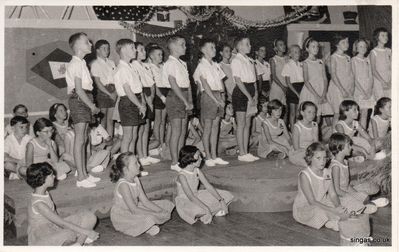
x=144, y=106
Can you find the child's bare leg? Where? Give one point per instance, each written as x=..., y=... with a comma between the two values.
x=206, y=138
x=126, y=138
x=363, y=118
x=140, y=146
x=146, y=135
x=293, y=109
x=214, y=137
x=133, y=143
x=110, y=122
x=104, y=119
x=182, y=138
x=163, y=125
x=241, y=120
x=79, y=148
x=157, y=127
x=247, y=129
x=174, y=139
x=335, y=120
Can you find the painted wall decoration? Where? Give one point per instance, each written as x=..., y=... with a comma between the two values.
x=46, y=67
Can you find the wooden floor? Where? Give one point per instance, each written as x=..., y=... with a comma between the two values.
x=236, y=229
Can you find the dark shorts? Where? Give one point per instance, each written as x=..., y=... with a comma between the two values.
x=239, y=100
x=158, y=103
x=175, y=107
x=80, y=112
x=265, y=87
x=129, y=113
x=103, y=100
x=291, y=96
x=149, y=114
x=209, y=109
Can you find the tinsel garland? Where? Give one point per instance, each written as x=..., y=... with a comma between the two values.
x=133, y=28
x=199, y=18
x=282, y=20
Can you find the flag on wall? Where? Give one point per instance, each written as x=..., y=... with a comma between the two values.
x=133, y=13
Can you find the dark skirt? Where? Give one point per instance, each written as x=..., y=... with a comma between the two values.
x=291, y=96
x=239, y=99
x=130, y=113
x=103, y=100
x=158, y=103
x=80, y=112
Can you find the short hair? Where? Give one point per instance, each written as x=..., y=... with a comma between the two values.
x=294, y=46
x=307, y=42
x=122, y=43
x=354, y=47
x=14, y=110
x=173, y=40
x=186, y=155
x=239, y=39
x=40, y=124
x=377, y=32
x=75, y=37
x=205, y=41
x=273, y=104
x=18, y=119
x=345, y=106
x=100, y=43
x=53, y=110
x=337, y=142
x=276, y=41
x=117, y=169
x=152, y=49
x=311, y=149
x=336, y=39
x=36, y=174
x=303, y=106
x=382, y=102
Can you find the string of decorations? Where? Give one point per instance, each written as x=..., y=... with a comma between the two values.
x=226, y=13
x=134, y=28
x=282, y=20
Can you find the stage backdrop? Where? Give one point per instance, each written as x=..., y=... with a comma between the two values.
x=34, y=64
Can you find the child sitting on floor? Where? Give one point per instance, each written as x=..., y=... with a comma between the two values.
x=193, y=204
x=317, y=203
x=45, y=226
x=363, y=144
x=351, y=197
x=304, y=133
x=15, y=147
x=380, y=123
x=43, y=149
x=19, y=110
x=132, y=212
x=228, y=126
x=275, y=136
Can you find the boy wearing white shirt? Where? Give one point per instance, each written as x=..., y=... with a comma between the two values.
x=179, y=100
x=293, y=74
x=263, y=69
x=102, y=69
x=15, y=146
x=81, y=105
x=132, y=106
x=244, y=94
x=210, y=75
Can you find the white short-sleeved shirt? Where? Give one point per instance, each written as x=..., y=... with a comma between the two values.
x=211, y=72
x=263, y=69
x=144, y=72
x=294, y=70
x=157, y=75
x=178, y=69
x=77, y=68
x=98, y=134
x=15, y=149
x=125, y=74
x=103, y=69
x=243, y=67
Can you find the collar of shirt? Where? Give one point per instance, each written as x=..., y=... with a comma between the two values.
x=77, y=58
x=244, y=57
x=124, y=63
x=178, y=60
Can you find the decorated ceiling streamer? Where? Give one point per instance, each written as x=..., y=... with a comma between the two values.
x=133, y=13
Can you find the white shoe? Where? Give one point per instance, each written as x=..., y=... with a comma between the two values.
x=209, y=163
x=85, y=183
x=175, y=167
x=253, y=157
x=13, y=176
x=370, y=209
x=76, y=173
x=144, y=173
x=62, y=177
x=88, y=241
x=153, y=160
x=245, y=158
x=220, y=213
x=93, y=179
x=381, y=202
x=332, y=225
x=144, y=161
x=220, y=161
x=380, y=155
x=97, y=169
x=154, y=152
